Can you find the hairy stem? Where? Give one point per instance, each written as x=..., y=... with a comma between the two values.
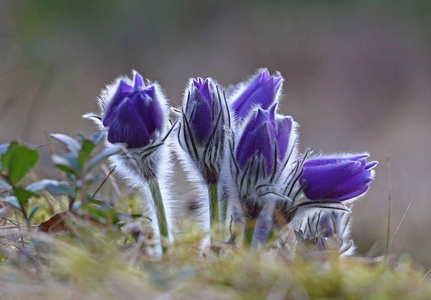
x=214, y=206
x=160, y=208
x=263, y=225
x=249, y=227
x=223, y=212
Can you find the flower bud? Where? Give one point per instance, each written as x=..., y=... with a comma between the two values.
x=337, y=178
x=134, y=114
x=261, y=90
x=328, y=230
x=264, y=137
x=202, y=109
x=201, y=130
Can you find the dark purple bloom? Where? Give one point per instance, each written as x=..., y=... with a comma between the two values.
x=337, y=178
x=202, y=109
x=264, y=136
x=261, y=90
x=134, y=115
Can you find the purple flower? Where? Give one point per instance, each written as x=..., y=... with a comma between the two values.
x=262, y=90
x=337, y=178
x=202, y=127
x=202, y=109
x=134, y=114
x=264, y=136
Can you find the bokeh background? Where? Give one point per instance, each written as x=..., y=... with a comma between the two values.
x=358, y=78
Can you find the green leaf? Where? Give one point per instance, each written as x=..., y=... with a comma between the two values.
x=72, y=145
x=23, y=195
x=102, y=213
x=125, y=217
x=21, y=161
x=87, y=147
x=35, y=209
x=67, y=163
x=54, y=187
x=5, y=152
x=12, y=201
x=111, y=150
x=7, y=219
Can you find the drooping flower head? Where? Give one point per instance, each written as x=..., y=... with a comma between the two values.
x=261, y=90
x=337, y=177
x=201, y=130
x=134, y=114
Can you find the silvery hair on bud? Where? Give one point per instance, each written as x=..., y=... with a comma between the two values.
x=138, y=165
x=195, y=159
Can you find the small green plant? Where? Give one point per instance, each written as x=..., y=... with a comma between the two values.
x=17, y=160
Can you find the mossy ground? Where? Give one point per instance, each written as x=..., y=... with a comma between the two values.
x=92, y=263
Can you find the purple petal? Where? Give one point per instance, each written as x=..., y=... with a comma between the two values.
x=371, y=165
x=261, y=91
x=263, y=96
x=352, y=184
x=150, y=111
x=125, y=87
x=128, y=127
x=204, y=90
x=322, y=179
x=278, y=82
x=353, y=194
x=333, y=160
x=258, y=139
x=201, y=122
x=122, y=89
x=259, y=142
x=138, y=81
x=284, y=128
x=337, y=178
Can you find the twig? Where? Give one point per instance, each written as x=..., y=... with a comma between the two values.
x=115, y=187
x=46, y=144
x=103, y=182
x=425, y=276
x=402, y=219
x=14, y=227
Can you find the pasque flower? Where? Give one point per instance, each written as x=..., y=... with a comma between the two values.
x=134, y=115
x=261, y=90
x=337, y=177
x=201, y=132
x=264, y=138
x=202, y=109
x=265, y=145
x=202, y=139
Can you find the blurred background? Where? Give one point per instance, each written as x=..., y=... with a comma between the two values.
x=358, y=78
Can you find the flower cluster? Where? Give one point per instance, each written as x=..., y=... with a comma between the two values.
x=241, y=149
